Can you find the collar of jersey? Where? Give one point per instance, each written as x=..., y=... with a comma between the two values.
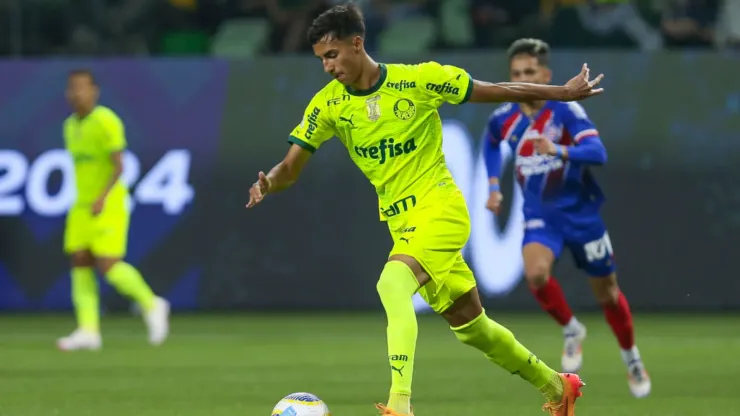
x=374, y=88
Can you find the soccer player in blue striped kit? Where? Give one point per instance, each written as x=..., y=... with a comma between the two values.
x=554, y=145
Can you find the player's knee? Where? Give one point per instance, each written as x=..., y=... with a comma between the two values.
x=537, y=275
x=105, y=264
x=605, y=290
x=396, y=279
x=82, y=259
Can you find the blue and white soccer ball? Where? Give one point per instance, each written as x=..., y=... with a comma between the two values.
x=301, y=404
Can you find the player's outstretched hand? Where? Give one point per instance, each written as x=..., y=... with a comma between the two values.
x=258, y=191
x=580, y=88
x=494, y=202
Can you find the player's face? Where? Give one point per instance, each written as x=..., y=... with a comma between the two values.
x=340, y=58
x=526, y=68
x=82, y=93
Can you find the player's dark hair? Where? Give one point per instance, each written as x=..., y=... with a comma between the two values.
x=83, y=72
x=339, y=22
x=532, y=47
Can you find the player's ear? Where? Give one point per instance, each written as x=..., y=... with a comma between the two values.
x=548, y=75
x=357, y=43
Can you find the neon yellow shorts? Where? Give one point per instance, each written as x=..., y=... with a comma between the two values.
x=434, y=234
x=105, y=235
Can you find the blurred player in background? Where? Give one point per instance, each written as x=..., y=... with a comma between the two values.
x=97, y=224
x=554, y=144
x=386, y=116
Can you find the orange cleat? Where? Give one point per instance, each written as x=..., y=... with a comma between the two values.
x=571, y=391
x=385, y=411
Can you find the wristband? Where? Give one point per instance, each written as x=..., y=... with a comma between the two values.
x=559, y=151
x=494, y=187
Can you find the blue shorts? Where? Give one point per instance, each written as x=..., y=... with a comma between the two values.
x=588, y=241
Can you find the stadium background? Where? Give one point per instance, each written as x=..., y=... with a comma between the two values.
x=205, y=112
x=671, y=136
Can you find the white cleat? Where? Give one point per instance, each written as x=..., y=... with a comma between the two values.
x=574, y=334
x=637, y=377
x=158, y=321
x=80, y=340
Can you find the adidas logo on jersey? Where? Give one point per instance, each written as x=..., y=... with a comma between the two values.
x=386, y=149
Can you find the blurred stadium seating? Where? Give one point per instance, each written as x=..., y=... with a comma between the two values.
x=249, y=27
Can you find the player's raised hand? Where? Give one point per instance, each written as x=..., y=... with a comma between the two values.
x=580, y=87
x=258, y=191
x=494, y=202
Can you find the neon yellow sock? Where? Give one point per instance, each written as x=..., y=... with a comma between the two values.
x=128, y=281
x=500, y=347
x=396, y=286
x=85, y=298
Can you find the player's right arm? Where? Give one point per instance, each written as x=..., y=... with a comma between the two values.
x=492, y=156
x=315, y=128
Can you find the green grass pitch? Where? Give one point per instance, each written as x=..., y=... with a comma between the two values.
x=241, y=365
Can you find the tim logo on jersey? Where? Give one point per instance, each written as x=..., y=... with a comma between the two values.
x=386, y=149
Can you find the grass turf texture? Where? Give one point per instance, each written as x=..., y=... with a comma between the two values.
x=242, y=365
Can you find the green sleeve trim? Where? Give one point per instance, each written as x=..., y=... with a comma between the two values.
x=294, y=140
x=469, y=92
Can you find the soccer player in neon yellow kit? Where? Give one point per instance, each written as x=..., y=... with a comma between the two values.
x=97, y=223
x=386, y=115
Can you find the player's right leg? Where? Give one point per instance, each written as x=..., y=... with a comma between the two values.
x=85, y=297
x=541, y=246
x=401, y=278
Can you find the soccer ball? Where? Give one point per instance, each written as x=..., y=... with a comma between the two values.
x=301, y=404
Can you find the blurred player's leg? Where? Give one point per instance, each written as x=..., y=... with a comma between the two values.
x=109, y=248
x=618, y=315
x=129, y=282
x=541, y=246
x=592, y=251
x=396, y=286
x=85, y=297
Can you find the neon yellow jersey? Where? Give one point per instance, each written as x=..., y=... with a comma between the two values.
x=392, y=131
x=91, y=141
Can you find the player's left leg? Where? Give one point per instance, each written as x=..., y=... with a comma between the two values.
x=109, y=249
x=594, y=254
x=618, y=315
x=473, y=327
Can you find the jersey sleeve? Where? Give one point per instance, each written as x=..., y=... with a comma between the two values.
x=577, y=123
x=114, y=139
x=492, y=147
x=445, y=83
x=315, y=127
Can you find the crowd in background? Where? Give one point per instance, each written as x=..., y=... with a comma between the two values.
x=168, y=27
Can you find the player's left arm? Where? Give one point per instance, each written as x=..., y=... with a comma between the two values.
x=588, y=147
x=578, y=88
x=114, y=142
